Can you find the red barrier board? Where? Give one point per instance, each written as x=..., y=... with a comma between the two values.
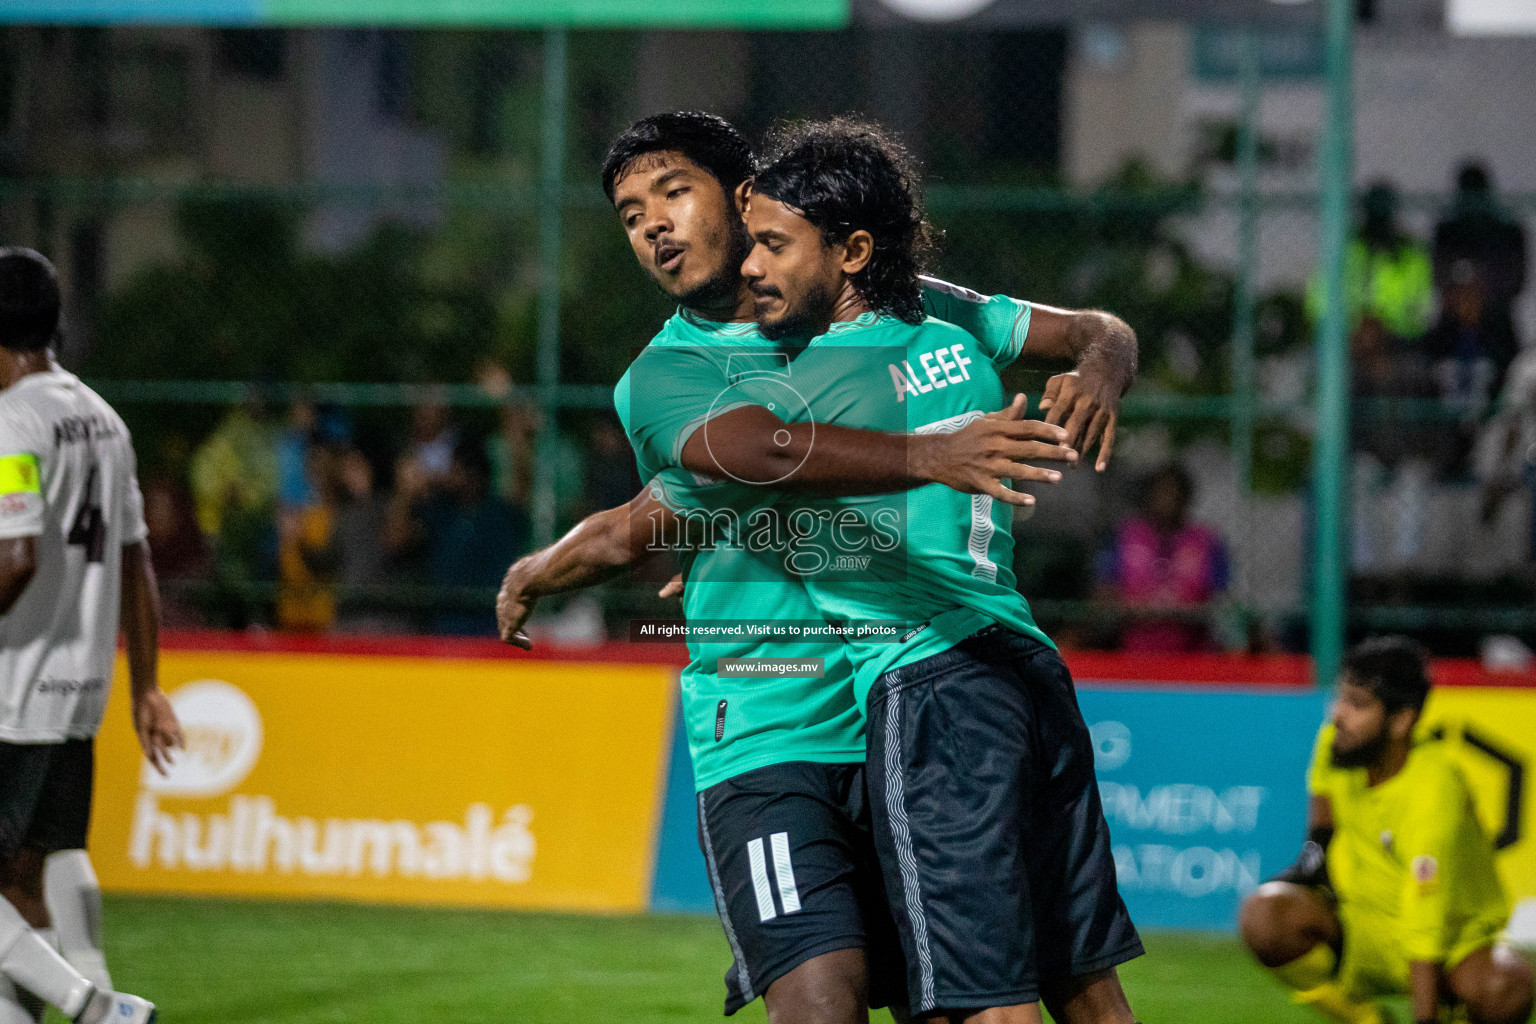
x=1281, y=671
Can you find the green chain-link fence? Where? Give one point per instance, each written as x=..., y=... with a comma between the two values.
x=390, y=241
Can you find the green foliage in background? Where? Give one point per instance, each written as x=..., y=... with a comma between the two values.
x=246, y=302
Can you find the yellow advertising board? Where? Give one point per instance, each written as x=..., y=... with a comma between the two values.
x=507, y=783
x=1495, y=732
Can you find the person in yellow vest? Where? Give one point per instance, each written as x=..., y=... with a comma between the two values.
x=1388, y=274
x=1395, y=891
x=306, y=556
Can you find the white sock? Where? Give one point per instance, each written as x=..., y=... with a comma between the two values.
x=74, y=902
x=30, y=963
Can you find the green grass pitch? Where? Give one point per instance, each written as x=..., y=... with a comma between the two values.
x=226, y=962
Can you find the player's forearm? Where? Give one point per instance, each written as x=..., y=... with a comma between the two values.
x=837, y=461
x=1091, y=340
x=595, y=550
x=1424, y=989
x=1103, y=343
x=1319, y=813
x=824, y=459
x=753, y=445
x=141, y=618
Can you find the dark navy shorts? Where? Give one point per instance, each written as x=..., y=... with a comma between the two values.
x=793, y=867
x=45, y=795
x=987, y=819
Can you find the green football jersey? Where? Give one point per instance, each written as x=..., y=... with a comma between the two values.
x=691, y=372
x=919, y=570
x=733, y=724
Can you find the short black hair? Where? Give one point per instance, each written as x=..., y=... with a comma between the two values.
x=29, y=300
x=1394, y=668
x=472, y=457
x=708, y=140
x=1180, y=477
x=1473, y=177
x=846, y=175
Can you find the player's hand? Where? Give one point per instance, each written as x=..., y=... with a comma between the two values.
x=978, y=457
x=159, y=731
x=674, y=587
x=512, y=610
x=1087, y=403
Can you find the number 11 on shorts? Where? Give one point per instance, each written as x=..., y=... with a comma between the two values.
x=783, y=874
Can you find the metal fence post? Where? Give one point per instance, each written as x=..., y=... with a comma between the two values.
x=551, y=208
x=1244, y=302
x=1330, y=466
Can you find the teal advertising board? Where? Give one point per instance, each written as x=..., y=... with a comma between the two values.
x=504, y=13
x=1204, y=791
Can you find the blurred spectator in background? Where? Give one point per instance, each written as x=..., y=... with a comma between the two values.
x=513, y=451
x=510, y=447
x=463, y=534
x=612, y=478
x=178, y=547
x=1394, y=454
x=1160, y=560
x=363, y=564
x=306, y=554
x=1506, y=451
x=1387, y=273
x=234, y=471
x=433, y=437
x=234, y=488
x=1470, y=350
x=294, y=488
x=1478, y=231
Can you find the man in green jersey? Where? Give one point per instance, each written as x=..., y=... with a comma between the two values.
x=993, y=843
x=767, y=747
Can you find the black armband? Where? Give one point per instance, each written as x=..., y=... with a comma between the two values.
x=1311, y=868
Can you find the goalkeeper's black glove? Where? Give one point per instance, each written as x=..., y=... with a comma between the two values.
x=1311, y=868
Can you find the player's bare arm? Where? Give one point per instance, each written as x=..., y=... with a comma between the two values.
x=752, y=444
x=18, y=564
x=595, y=550
x=1086, y=400
x=1311, y=867
x=1424, y=990
x=154, y=720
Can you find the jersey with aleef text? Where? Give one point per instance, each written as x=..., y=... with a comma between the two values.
x=682, y=379
x=67, y=478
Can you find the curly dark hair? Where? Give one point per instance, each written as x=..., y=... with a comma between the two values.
x=847, y=175
x=708, y=140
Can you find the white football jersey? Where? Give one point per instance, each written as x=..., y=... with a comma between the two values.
x=67, y=477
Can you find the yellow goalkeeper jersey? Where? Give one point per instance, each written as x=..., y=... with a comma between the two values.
x=1410, y=854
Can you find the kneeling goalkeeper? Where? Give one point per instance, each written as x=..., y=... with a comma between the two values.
x=1395, y=891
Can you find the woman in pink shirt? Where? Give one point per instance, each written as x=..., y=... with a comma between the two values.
x=1159, y=559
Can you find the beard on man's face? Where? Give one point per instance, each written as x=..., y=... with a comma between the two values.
x=725, y=282
x=808, y=317
x=1363, y=754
